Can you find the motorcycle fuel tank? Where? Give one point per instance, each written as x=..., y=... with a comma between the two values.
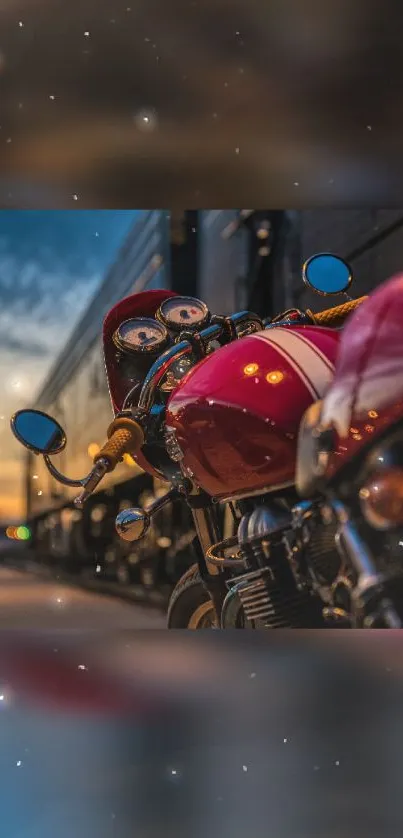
x=236, y=415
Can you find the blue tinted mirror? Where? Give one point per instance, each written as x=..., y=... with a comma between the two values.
x=327, y=274
x=38, y=432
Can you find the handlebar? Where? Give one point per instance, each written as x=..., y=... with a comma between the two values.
x=125, y=436
x=336, y=315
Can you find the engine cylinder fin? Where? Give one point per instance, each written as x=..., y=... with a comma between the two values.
x=263, y=602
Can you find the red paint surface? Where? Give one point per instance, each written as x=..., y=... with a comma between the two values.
x=366, y=396
x=237, y=431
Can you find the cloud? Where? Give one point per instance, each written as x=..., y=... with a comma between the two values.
x=23, y=347
x=38, y=308
x=51, y=265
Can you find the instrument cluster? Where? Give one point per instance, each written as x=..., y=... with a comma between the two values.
x=140, y=340
x=153, y=335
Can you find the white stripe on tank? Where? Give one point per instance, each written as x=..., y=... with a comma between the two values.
x=314, y=369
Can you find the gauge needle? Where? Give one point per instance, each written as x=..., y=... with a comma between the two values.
x=144, y=339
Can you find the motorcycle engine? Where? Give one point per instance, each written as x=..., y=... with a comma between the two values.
x=275, y=591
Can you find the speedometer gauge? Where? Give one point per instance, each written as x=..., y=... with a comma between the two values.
x=179, y=313
x=141, y=334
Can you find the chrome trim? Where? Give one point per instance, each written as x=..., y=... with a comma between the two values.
x=178, y=327
x=146, y=349
x=207, y=533
x=91, y=482
x=207, y=335
x=263, y=491
x=60, y=477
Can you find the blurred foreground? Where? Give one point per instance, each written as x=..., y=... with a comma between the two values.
x=199, y=104
x=107, y=731
x=32, y=603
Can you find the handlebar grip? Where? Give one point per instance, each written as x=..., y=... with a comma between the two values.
x=338, y=314
x=125, y=436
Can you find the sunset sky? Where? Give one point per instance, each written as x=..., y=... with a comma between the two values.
x=51, y=263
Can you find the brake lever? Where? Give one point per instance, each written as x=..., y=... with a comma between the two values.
x=91, y=482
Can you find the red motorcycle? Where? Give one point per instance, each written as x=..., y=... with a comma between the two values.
x=213, y=406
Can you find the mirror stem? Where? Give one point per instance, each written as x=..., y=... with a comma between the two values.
x=60, y=477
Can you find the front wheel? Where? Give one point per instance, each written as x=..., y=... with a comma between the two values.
x=190, y=606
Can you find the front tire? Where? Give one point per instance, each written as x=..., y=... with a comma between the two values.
x=190, y=606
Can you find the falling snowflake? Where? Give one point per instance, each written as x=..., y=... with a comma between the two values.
x=20, y=24
x=244, y=768
x=75, y=197
x=146, y=119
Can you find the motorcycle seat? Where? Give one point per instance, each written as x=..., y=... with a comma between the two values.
x=308, y=477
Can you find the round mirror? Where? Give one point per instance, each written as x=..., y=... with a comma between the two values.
x=38, y=432
x=327, y=274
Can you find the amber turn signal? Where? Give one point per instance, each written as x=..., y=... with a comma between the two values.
x=381, y=499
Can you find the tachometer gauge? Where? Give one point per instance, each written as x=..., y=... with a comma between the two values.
x=141, y=334
x=179, y=313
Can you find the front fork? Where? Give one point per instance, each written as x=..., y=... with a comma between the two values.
x=208, y=533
